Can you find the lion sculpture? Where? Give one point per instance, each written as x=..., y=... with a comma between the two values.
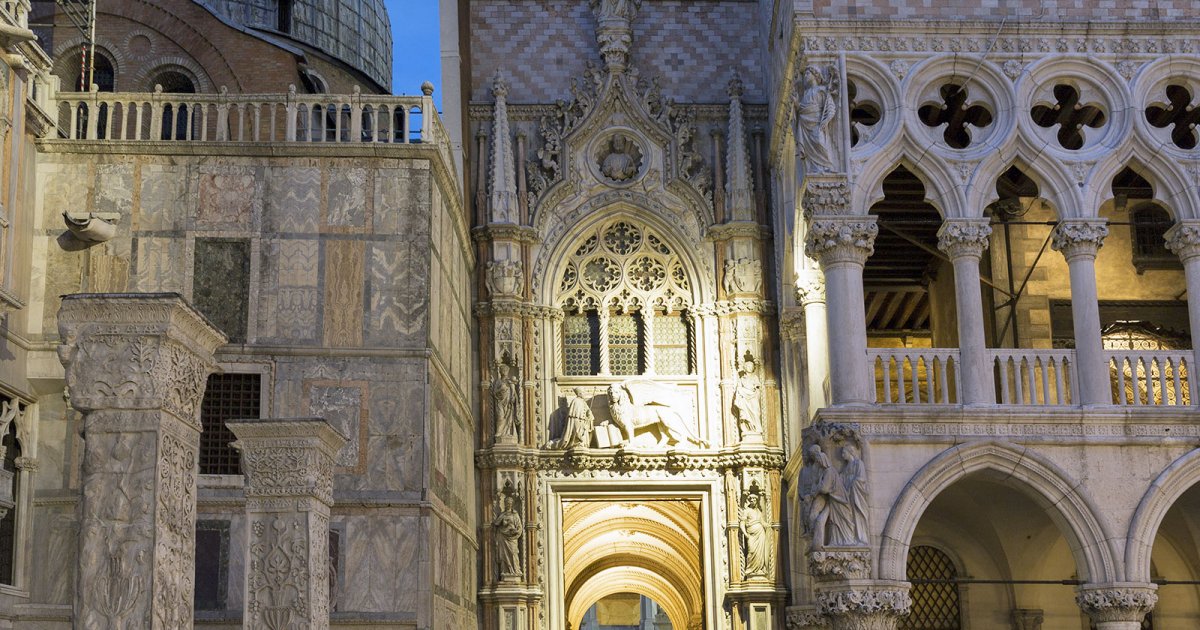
x=640, y=406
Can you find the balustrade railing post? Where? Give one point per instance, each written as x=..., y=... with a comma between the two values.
x=428, y=113
x=290, y=127
x=223, y=114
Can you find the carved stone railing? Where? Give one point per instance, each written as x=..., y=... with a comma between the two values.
x=1035, y=377
x=224, y=117
x=1151, y=377
x=915, y=375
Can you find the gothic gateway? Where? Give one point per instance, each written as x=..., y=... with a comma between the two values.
x=680, y=314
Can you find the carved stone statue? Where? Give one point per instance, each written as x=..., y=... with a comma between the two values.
x=504, y=404
x=578, y=429
x=505, y=278
x=755, y=525
x=508, y=528
x=619, y=163
x=854, y=480
x=646, y=406
x=743, y=275
x=747, y=398
x=823, y=501
x=616, y=9
x=815, y=109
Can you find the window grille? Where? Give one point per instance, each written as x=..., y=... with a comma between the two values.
x=624, y=341
x=1148, y=225
x=935, y=603
x=227, y=397
x=671, y=344
x=581, y=339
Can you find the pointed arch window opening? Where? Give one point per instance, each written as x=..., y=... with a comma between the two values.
x=627, y=302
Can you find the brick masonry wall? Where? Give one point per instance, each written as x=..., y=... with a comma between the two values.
x=694, y=47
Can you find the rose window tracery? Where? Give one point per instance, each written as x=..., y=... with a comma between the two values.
x=1072, y=112
x=957, y=114
x=634, y=268
x=622, y=238
x=1178, y=114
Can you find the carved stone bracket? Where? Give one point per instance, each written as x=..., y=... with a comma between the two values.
x=289, y=492
x=806, y=618
x=826, y=195
x=841, y=240
x=1079, y=237
x=848, y=563
x=865, y=605
x=964, y=237
x=1107, y=603
x=136, y=365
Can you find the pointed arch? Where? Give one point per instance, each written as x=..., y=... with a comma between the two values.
x=1167, y=488
x=941, y=189
x=1050, y=487
x=1055, y=184
x=1171, y=187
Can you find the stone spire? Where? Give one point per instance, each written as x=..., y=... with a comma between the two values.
x=503, y=183
x=739, y=188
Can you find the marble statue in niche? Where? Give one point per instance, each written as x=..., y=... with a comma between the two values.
x=620, y=159
x=639, y=406
x=507, y=529
x=504, y=403
x=833, y=501
x=747, y=398
x=578, y=429
x=757, y=534
x=815, y=109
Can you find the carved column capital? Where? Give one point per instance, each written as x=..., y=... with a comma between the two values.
x=826, y=195
x=1027, y=619
x=841, y=240
x=1183, y=239
x=27, y=464
x=865, y=606
x=1079, y=237
x=1128, y=602
x=133, y=351
x=964, y=237
x=810, y=287
x=288, y=458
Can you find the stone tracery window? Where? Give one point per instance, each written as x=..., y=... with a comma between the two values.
x=626, y=298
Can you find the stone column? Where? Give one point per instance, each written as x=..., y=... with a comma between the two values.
x=136, y=367
x=1079, y=240
x=842, y=245
x=1183, y=239
x=965, y=240
x=1117, y=606
x=289, y=491
x=810, y=292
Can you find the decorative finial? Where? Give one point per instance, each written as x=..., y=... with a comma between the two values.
x=427, y=88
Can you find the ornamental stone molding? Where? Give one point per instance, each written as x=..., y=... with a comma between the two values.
x=1183, y=239
x=840, y=564
x=964, y=237
x=826, y=195
x=136, y=366
x=505, y=278
x=1107, y=603
x=136, y=351
x=865, y=605
x=1079, y=237
x=288, y=465
x=841, y=240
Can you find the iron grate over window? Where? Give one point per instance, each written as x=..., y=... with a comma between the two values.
x=228, y=397
x=935, y=604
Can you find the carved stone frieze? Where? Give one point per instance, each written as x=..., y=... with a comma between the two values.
x=624, y=461
x=1079, y=237
x=981, y=37
x=1116, y=602
x=743, y=276
x=837, y=240
x=505, y=278
x=840, y=564
x=964, y=237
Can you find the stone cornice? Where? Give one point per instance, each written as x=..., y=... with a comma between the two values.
x=627, y=461
x=506, y=232
x=737, y=229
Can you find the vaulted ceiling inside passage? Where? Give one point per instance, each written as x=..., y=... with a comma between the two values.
x=896, y=277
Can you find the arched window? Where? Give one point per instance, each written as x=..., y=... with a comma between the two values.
x=104, y=73
x=626, y=299
x=935, y=600
x=9, y=499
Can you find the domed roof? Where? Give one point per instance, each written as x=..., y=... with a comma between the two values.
x=357, y=32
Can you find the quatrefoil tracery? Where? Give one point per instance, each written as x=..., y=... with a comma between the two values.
x=958, y=113
x=1071, y=114
x=865, y=114
x=1179, y=113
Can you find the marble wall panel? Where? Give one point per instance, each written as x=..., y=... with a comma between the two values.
x=383, y=563
x=289, y=291
x=395, y=438
x=402, y=202
x=293, y=202
x=397, y=292
x=64, y=274
x=64, y=186
x=344, y=293
x=114, y=188
x=348, y=195
x=228, y=197
x=221, y=284
x=161, y=264
x=344, y=405
x=163, y=197
x=55, y=544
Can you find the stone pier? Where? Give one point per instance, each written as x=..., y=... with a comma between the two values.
x=288, y=465
x=136, y=367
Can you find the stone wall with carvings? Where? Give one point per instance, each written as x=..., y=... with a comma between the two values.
x=1033, y=10
x=325, y=266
